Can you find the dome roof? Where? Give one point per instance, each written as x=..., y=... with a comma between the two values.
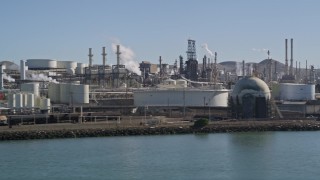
x=252, y=85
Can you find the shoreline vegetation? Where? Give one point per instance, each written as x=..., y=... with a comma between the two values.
x=105, y=129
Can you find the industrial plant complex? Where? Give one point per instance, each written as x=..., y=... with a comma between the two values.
x=52, y=91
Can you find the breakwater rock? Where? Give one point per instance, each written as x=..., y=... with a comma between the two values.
x=135, y=131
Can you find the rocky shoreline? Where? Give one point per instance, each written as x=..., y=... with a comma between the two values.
x=218, y=127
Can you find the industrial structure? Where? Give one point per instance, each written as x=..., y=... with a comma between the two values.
x=241, y=90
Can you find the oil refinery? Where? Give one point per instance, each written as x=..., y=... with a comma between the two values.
x=228, y=90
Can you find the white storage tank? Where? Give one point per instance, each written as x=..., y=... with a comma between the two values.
x=45, y=104
x=181, y=97
x=30, y=100
x=19, y=100
x=70, y=71
x=297, y=92
x=181, y=83
x=25, y=99
x=41, y=63
x=170, y=82
x=80, y=68
x=54, y=92
x=31, y=88
x=11, y=100
x=65, y=95
x=80, y=93
x=66, y=64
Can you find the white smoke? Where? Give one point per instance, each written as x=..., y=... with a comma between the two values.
x=205, y=46
x=127, y=58
x=7, y=77
x=239, y=68
x=42, y=77
x=260, y=49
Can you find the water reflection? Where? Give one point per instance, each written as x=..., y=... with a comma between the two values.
x=249, y=154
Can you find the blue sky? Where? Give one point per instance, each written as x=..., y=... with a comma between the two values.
x=236, y=30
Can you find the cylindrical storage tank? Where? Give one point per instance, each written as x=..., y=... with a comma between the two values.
x=11, y=100
x=66, y=64
x=45, y=105
x=30, y=100
x=19, y=100
x=80, y=93
x=170, y=82
x=41, y=63
x=25, y=99
x=182, y=82
x=80, y=68
x=297, y=92
x=54, y=92
x=31, y=88
x=65, y=95
x=181, y=97
x=70, y=71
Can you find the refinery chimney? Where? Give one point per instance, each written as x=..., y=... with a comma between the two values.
x=291, y=59
x=118, y=55
x=1, y=77
x=104, y=54
x=215, y=68
x=22, y=70
x=243, y=68
x=90, y=57
x=160, y=64
x=286, y=59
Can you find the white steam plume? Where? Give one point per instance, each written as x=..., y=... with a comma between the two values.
x=127, y=58
x=259, y=49
x=205, y=46
x=9, y=78
x=42, y=77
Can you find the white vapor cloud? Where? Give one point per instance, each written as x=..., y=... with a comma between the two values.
x=205, y=46
x=9, y=78
x=259, y=49
x=127, y=58
x=41, y=77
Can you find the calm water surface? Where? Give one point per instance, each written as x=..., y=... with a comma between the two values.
x=263, y=155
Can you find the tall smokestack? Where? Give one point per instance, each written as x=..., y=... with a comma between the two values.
x=306, y=71
x=296, y=73
x=1, y=77
x=118, y=55
x=243, y=68
x=286, y=59
x=90, y=57
x=215, y=68
x=291, y=58
x=160, y=64
x=299, y=72
x=181, y=65
x=104, y=54
x=22, y=70
x=275, y=71
x=204, y=63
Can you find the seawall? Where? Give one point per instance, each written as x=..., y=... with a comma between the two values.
x=103, y=131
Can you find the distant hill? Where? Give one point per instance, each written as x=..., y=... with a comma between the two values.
x=236, y=67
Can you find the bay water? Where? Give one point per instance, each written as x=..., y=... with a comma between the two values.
x=250, y=155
